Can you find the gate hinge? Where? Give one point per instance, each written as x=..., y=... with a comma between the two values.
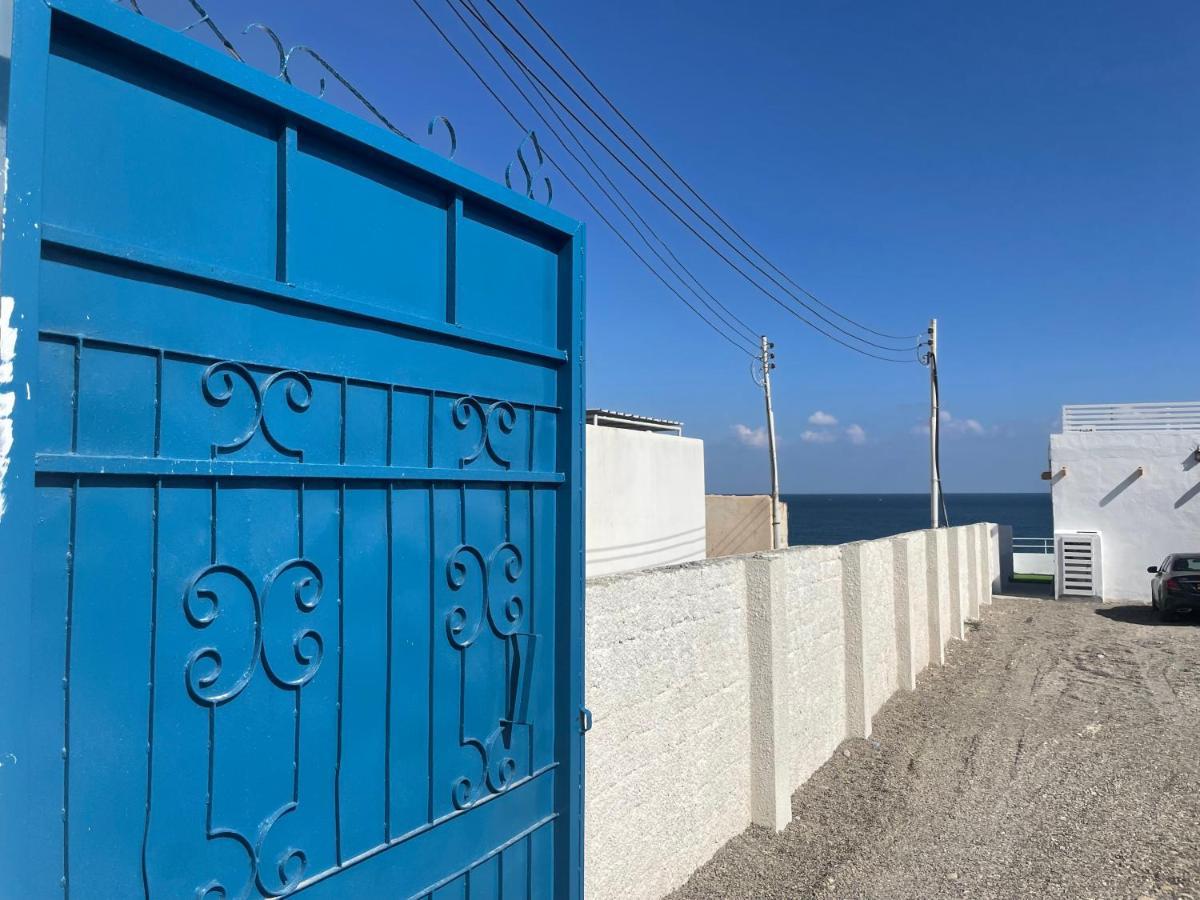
x=585, y=720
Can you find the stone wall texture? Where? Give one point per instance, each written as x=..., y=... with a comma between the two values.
x=718, y=687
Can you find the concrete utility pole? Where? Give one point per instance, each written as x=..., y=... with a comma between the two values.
x=935, y=475
x=777, y=538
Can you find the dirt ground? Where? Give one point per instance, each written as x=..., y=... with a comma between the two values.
x=1057, y=754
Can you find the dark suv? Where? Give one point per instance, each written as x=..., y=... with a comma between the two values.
x=1176, y=584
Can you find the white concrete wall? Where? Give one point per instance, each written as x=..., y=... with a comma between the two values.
x=718, y=687
x=668, y=756
x=740, y=523
x=1034, y=563
x=645, y=500
x=1141, y=517
x=877, y=583
x=913, y=619
x=815, y=658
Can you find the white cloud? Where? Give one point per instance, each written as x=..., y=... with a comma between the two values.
x=818, y=437
x=821, y=418
x=751, y=437
x=951, y=425
x=857, y=434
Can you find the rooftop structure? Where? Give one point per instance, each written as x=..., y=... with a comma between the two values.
x=613, y=419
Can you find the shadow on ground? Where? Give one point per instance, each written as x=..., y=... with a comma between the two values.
x=1142, y=614
x=1044, y=589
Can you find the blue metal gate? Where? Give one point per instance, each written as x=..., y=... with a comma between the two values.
x=291, y=537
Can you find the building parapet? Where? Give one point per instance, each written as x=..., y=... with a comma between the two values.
x=1183, y=416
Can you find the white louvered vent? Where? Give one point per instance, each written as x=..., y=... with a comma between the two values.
x=1079, y=570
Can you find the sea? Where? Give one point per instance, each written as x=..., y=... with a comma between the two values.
x=839, y=518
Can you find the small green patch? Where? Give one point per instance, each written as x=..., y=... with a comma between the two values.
x=1033, y=579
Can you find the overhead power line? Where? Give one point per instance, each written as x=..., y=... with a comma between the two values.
x=725, y=314
x=704, y=220
x=570, y=181
x=611, y=105
x=536, y=82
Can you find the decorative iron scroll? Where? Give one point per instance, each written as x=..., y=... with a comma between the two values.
x=449, y=126
x=297, y=393
x=500, y=414
x=205, y=19
x=539, y=160
x=283, y=72
x=504, y=611
x=203, y=604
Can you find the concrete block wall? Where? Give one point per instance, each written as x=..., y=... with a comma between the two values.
x=913, y=607
x=877, y=602
x=668, y=756
x=718, y=687
x=815, y=658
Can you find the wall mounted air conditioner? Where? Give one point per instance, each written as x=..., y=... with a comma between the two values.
x=1078, y=569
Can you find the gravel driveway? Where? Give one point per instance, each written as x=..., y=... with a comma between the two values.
x=1056, y=755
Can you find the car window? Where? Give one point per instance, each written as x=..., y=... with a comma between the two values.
x=1165, y=565
x=1186, y=564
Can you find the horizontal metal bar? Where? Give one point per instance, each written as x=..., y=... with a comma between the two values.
x=315, y=374
x=149, y=467
x=129, y=255
x=1177, y=426
x=1173, y=404
x=1134, y=417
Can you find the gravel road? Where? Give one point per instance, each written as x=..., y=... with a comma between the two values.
x=1056, y=755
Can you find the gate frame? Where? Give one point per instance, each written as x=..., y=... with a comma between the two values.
x=25, y=31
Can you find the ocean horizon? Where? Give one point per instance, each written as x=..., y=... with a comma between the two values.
x=840, y=518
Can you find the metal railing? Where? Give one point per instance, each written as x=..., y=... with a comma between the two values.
x=1033, y=545
x=1183, y=416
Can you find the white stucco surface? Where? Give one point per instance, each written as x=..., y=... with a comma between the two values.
x=880, y=680
x=645, y=500
x=1141, y=516
x=937, y=585
x=912, y=602
x=987, y=565
x=718, y=687
x=668, y=756
x=815, y=657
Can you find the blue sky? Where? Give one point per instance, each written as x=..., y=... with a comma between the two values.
x=1028, y=172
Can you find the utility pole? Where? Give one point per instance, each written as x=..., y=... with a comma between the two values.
x=935, y=474
x=767, y=360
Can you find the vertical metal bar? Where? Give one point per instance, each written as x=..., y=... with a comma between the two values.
x=152, y=685
x=337, y=765
x=569, y=537
x=454, y=214
x=387, y=688
x=77, y=359
x=286, y=154
x=158, y=388
x=432, y=642
x=72, y=553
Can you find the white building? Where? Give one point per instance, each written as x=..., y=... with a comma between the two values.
x=645, y=493
x=1125, y=483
